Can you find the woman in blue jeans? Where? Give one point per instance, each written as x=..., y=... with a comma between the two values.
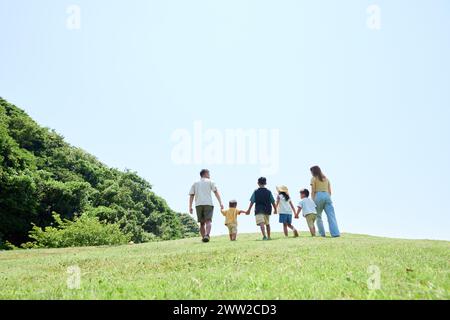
x=321, y=194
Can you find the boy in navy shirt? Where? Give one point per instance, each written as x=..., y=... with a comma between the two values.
x=263, y=200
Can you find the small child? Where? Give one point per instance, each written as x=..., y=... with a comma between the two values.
x=263, y=200
x=309, y=210
x=285, y=209
x=231, y=219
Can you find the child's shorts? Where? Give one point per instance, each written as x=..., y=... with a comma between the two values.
x=232, y=228
x=285, y=218
x=262, y=219
x=310, y=219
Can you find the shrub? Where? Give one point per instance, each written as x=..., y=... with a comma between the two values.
x=5, y=244
x=82, y=231
x=190, y=226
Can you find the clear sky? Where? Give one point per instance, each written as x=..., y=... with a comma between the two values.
x=370, y=106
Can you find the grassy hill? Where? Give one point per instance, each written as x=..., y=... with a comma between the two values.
x=302, y=268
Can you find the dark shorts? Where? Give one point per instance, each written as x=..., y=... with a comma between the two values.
x=204, y=213
x=285, y=218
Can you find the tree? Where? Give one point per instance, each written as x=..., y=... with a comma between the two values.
x=40, y=174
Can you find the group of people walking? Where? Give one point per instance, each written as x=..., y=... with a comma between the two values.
x=265, y=203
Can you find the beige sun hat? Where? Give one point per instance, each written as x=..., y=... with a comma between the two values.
x=283, y=189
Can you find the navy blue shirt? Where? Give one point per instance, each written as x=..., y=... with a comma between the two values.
x=263, y=200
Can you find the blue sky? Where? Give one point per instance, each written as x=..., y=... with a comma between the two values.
x=371, y=107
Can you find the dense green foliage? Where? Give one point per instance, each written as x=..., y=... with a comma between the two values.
x=82, y=231
x=40, y=174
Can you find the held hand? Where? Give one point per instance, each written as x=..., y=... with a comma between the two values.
x=191, y=211
x=221, y=206
x=296, y=216
x=248, y=212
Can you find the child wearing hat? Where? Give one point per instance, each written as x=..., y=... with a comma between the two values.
x=285, y=209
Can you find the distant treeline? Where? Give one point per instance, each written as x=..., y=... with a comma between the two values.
x=47, y=185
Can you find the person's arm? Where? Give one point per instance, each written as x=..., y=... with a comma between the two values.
x=313, y=190
x=242, y=211
x=252, y=202
x=191, y=200
x=249, y=208
x=274, y=205
x=299, y=209
x=219, y=199
x=223, y=212
x=292, y=206
x=329, y=187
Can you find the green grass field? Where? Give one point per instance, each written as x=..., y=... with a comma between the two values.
x=302, y=268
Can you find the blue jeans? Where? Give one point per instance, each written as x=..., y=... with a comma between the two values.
x=323, y=202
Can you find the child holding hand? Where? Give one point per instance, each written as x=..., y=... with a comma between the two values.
x=231, y=219
x=309, y=210
x=285, y=209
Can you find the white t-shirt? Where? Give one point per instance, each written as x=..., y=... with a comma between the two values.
x=284, y=206
x=308, y=206
x=202, y=190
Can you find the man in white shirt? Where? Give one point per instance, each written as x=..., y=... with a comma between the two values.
x=201, y=191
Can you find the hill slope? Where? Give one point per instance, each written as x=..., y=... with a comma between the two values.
x=40, y=174
x=302, y=268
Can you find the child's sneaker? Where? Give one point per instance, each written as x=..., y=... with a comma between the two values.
x=206, y=239
x=295, y=234
x=265, y=238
